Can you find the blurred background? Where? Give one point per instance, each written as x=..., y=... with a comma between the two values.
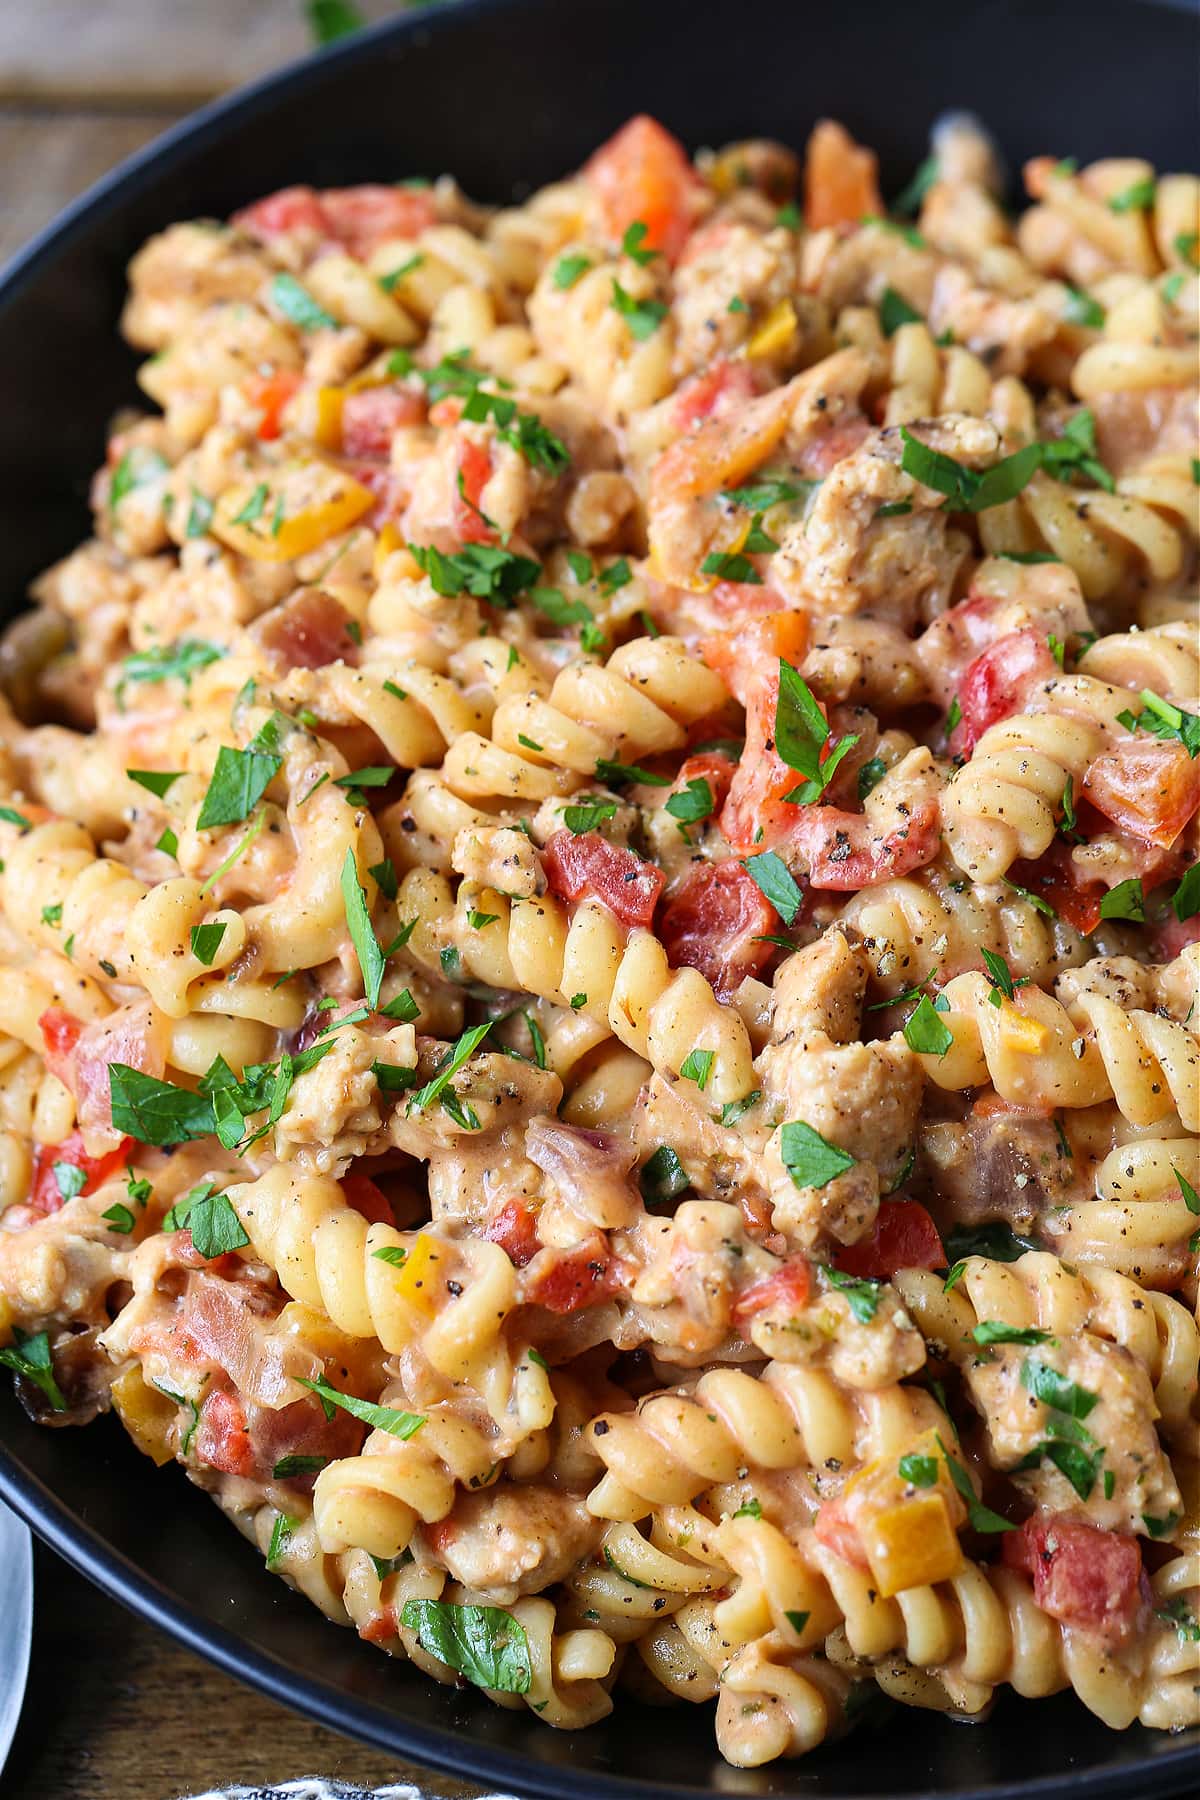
x=84, y=83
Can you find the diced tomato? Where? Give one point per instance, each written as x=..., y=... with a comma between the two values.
x=367, y=1198
x=723, y=387
x=998, y=682
x=748, y=660
x=711, y=923
x=61, y=1031
x=843, y=853
x=364, y=216
x=754, y=816
x=358, y=217
x=371, y=416
x=564, y=1280
x=45, y=1194
x=904, y=1237
x=135, y=1035
x=379, y=1627
x=833, y=445
x=643, y=173
x=291, y=209
x=222, y=1440
x=841, y=182
x=474, y=473
x=308, y=631
x=589, y=866
x=786, y=1288
x=833, y=1529
x=268, y=395
x=1054, y=879
x=1083, y=1576
x=1149, y=787
x=514, y=1228
x=1173, y=937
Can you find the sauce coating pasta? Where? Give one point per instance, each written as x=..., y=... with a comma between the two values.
x=599, y=928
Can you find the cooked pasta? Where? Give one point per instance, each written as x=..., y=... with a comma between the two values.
x=600, y=1020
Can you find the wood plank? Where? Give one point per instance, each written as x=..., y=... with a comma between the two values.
x=49, y=157
x=112, y=52
x=115, y=1709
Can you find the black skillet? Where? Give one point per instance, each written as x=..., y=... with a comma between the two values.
x=508, y=94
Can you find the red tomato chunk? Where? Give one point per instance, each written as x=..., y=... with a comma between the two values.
x=712, y=921
x=997, y=683
x=514, y=1228
x=46, y=1196
x=643, y=174
x=904, y=1237
x=1081, y=1575
x=786, y=1289
x=564, y=1280
x=1147, y=787
x=589, y=867
x=371, y=416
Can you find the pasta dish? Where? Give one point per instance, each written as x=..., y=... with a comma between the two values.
x=599, y=924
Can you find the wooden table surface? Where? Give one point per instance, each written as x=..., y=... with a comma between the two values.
x=115, y=1710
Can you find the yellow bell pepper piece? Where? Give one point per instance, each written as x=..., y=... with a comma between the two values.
x=776, y=331
x=911, y=1544
x=390, y=539
x=327, y=425
x=146, y=1414
x=6, y=1321
x=416, y=1277
x=290, y=512
x=1018, y=1033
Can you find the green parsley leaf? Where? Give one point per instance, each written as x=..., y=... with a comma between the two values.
x=895, y=311
x=1139, y=197
x=810, y=1159
x=999, y=975
x=380, y=1418
x=925, y=1031
x=908, y=201
x=997, y=1241
x=1075, y=452
x=968, y=490
x=642, y=317
x=759, y=542
x=68, y=1179
x=797, y=1620
x=919, y=1471
x=239, y=781
x=694, y=803
x=467, y=1044
x=614, y=773
x=155, y=781
x=1161, y=1527
x=558, y=609
x=1055, y=1390
x=1125, y=901
x=733, y=1110
x=760, y=496
x=384, y=876
x=789, y=217
x=1185, y=901
x=206, y=941
x=394, y=1254
x=568, y=269
x=587, y=815
x=894, y=509
x=697, y=1067
x=403, y=1007
x=29, y=1355
x=1191, y=1199
x=1187, y=247
x=119, y=1219
x=139, y=466
x=362, y=932
x=483, y=1644
x=862, y=1295
x=329, y=20
x=663, y=1176
x=11, y=816
x=1027, y=556
x=749, y=1509
x=281, y=1531
x=390, y=282
x=298, y=306
x=1176, y=1613
x=1034, y=900
x=631, y=244
x=995, y=1331
x=870, y=776
x=153, y=1111
x=212, y=1221
x=770, y=874
x=1081, y=309
x=166, y=662
x=1079, y=1463
x=1167, y=722
x=981, y=1517
x=731, y=566
x=481, y=570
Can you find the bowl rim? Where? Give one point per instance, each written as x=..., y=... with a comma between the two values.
x=86, y=1549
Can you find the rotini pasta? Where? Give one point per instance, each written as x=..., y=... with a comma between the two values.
x=598, y=897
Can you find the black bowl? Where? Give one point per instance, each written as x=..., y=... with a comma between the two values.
x=508, y=95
